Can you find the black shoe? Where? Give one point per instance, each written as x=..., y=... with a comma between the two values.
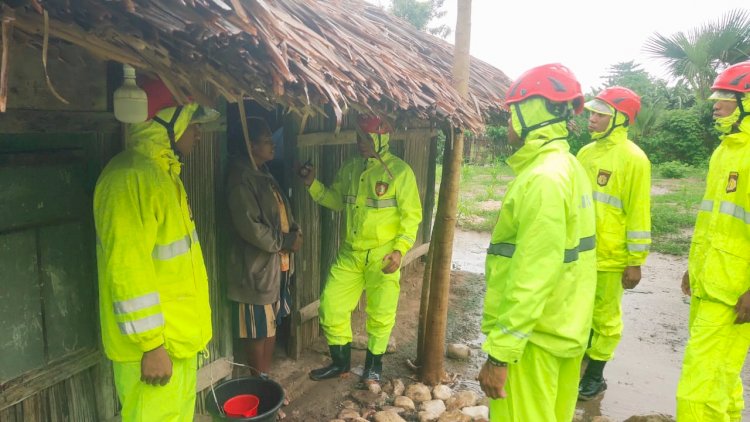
x=590, y=387
x=341, y=357
x=373, y=368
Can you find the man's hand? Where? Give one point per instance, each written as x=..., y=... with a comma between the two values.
x=156, y=367
x=306, y=172
x=631, y=277
x=686, y=283
x=743, y=309
x=297, y=242
x=492, y=380
x=391, y=262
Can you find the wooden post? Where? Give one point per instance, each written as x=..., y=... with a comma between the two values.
x=431, y=368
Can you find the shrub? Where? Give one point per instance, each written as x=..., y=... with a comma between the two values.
x=673, y=170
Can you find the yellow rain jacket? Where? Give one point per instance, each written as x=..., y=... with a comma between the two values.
x=378, y=209
x=153, y=286
x=541, y=265
x=719, y=261
x=620, y=175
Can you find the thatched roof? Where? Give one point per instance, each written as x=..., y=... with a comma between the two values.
x=298, y=53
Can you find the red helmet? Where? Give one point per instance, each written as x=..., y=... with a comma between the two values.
x=735, y=78
x=373, y=124
x=554, y=82
x=158, y=96
x=623, y=100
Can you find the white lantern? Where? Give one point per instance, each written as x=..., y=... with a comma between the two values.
x=130, y=101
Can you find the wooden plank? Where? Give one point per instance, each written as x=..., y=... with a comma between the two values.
x=213, y=373
x=308, y=312
x=67, y=263
x=32, y=383
x=77, y=76
x=40, y=121
x=22, y=345
x=350, y=137
x=415, y=253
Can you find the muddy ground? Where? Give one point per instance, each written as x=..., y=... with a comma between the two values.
x=642, y=378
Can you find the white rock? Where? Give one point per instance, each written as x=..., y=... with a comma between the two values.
x=398, y=410
x=477, y=412
x=348, y=414
x=418, y=392
x=398, y=387
x=348, y=404
x=454, y=416
x=461, y=399
x=436, y=407
x=427, y=417
x=404, y=403
x=458, y=351
x=374, y=387
x=387, y=416
x=441, y=392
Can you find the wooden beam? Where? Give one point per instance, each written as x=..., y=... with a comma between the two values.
x=350, y=137
x=33, y=382
x=40, y=121
x=415, y=253
x=213, y=373
x=308, y=312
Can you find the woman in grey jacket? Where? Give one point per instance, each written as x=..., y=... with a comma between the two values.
x=264, y=238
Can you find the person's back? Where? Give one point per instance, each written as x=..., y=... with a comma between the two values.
x=541, y=263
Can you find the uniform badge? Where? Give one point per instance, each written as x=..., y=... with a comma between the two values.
x=381, y=188
x=732, y=182
x=603, y=178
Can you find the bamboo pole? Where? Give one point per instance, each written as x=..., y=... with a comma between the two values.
x=431, y=363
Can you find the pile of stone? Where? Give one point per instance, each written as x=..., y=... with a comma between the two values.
x=395, y=402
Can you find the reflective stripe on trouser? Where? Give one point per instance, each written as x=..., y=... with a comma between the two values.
x=353, y=272
x=174, y=402
x=710, y=388
x=540, y=387
x=606, y=325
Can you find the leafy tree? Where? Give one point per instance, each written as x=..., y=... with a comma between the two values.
x=696, y=56
x=681, y=135
x=421, y=13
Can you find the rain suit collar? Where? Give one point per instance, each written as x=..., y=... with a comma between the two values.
x=151, y=140
x=617, y=136
x=532, y=149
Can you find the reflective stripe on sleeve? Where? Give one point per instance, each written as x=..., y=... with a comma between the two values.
x=508, y=249
x=349, y=199
x=136, y=304
x=174, y=249
x=735, y=211
x=608, y=199
x=141, y=325
x=707, y=205
x=514, y=333
x=638, y=247
x=639, y=235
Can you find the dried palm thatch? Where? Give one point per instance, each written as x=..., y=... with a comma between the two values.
x=298, y=53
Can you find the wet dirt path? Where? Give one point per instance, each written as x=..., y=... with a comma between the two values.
x=642, y=378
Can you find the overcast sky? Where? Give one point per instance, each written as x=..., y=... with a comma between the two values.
x=585, y=35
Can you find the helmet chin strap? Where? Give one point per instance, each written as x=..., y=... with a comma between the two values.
x=169, y=126
x=612, y=126
x=525, y=130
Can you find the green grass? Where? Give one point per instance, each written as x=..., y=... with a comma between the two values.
x=673, y=206
x=673, y=214
x=481, y=192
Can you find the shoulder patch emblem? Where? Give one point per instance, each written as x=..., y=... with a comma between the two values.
x=603, y=177
x=381, y=188
x=732, y=182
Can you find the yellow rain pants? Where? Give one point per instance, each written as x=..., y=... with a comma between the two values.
x=174, y=402
x=710, y=388
x=353, y=272
x=540, y=387
x=607, y=321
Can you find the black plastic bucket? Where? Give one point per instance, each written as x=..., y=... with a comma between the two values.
x=269, y=392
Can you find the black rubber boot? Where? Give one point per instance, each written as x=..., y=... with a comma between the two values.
x=373, y=368
x=592, y=383
x=341, y=357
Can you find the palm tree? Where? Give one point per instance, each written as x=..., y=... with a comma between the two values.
x=695, y=57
